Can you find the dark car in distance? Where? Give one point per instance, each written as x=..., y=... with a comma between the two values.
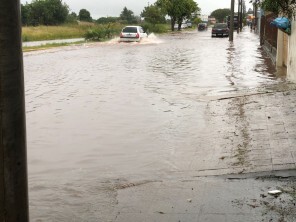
x=220, y=29
x=202, y=27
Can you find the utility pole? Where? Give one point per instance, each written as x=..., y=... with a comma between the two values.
x=254, y=15
x=13, y=154
x=231, y=21
x=256, y=18
x=238, y=15
x=242, y=15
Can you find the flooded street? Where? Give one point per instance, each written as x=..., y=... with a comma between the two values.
x=104, y=115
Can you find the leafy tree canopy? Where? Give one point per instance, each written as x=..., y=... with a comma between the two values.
x=128, y=16
x=44, y=12
x=220, y=14
x=178, y=10
x=285, y=7
x=72, y=18
x=197, y=20
x=84, y=15
x=153, y=14
x=106, y=20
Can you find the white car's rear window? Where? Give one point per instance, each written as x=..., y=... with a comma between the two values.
x=130, y=29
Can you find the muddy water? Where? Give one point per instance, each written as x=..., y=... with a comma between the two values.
x=102, y=115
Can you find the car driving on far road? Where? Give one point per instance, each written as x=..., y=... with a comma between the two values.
x=132, y=34
x=202, y=26
x=220, y=29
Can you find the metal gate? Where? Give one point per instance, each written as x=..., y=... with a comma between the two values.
x=268, y=33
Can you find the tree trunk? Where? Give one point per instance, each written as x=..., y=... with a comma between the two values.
x=180, y=20
x=173, y=21
x=13, y=157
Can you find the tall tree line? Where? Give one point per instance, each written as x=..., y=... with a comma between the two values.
x=55, y=12
x=44, y=12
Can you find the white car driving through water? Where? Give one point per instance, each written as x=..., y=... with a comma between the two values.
x=132, y=34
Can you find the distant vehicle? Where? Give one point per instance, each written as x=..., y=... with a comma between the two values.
x=189, y=24
x=235, y=22
x=184, y=25
x=202, y=26
x=220, y=29
x=132, y=34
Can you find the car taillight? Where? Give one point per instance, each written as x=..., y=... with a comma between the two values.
x=121, y=35
x=137, y=36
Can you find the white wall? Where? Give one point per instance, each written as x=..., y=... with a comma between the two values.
x=280, y=49
x=291, y=69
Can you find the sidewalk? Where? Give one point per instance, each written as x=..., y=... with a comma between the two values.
x=247, y=149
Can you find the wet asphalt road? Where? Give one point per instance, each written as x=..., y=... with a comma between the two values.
x=102, y=115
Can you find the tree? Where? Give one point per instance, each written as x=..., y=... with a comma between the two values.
x=178, y=10
x=49, y=12
x=25, y=16
x=153, y=15
x=106, y=20
x=285, y=7
x=45, y=12
x=187, y=9
x=197, y=20
x=220, y=14
x=84, y=15
x=128, y=16
x=72, y=18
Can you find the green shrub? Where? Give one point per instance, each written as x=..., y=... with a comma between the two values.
x=95, y=34
x=156, y=28
x=25, y=38
x=103, y=31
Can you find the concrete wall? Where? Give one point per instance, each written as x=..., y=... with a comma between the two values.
x=280, y=49
x=291, y=66
x=270, y=50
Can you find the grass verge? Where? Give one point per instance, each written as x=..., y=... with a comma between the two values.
x=49, y=46
x=40, y=33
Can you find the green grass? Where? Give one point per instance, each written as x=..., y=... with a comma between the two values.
x=69, y=31
x=40, y=33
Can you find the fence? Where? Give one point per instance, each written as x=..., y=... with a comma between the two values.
x=268, y=33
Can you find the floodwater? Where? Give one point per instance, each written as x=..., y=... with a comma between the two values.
x=104, y=114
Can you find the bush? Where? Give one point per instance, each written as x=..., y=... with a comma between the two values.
x=156, y=28
x=95, y=34
x=101, y=32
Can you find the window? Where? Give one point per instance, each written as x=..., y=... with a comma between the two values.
x=130, y=29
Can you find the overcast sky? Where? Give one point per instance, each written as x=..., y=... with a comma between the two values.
x=102, y=8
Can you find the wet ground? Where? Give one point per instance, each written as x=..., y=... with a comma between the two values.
x=152, y=131
x=40, y=43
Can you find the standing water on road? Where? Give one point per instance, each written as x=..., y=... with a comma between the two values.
x=102, y=115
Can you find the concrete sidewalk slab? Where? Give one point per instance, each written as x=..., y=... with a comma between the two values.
x=247, y=149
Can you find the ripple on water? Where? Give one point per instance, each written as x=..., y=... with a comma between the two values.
x=109, y=110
